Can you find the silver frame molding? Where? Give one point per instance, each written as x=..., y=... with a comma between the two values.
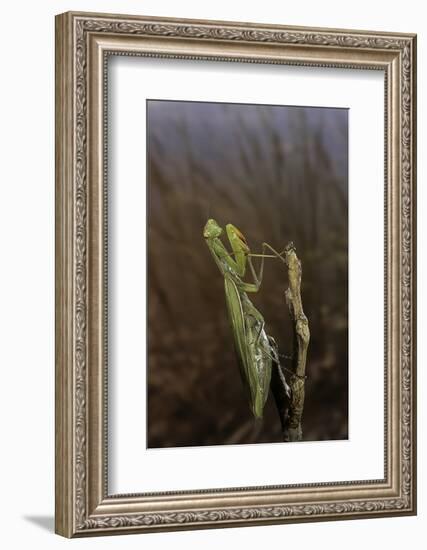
x=83, y=43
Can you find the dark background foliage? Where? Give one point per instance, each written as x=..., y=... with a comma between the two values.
x=279, y=174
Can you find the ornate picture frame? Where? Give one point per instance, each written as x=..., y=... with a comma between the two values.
x=84, y=42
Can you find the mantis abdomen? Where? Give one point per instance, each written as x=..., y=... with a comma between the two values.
x=252, y=346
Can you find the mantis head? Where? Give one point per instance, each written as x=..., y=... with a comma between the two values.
x=212, y=229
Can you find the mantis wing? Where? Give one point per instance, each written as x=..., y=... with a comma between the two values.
x=237, y=320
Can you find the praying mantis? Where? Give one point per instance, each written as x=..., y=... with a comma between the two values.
x=256, y=351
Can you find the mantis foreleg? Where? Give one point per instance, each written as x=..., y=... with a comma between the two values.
x=251, y=287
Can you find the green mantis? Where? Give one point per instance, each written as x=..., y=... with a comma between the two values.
x=256, y=351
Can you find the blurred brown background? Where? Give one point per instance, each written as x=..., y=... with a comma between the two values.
x=279, y=174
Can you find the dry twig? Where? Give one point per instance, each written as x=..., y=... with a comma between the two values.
x=290, y=399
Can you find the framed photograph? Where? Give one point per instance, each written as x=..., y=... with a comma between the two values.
x=235, y=274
